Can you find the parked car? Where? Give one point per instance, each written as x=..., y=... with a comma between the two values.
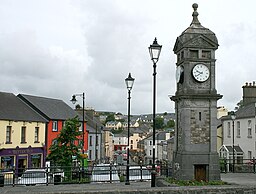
x=33, y=177
x=104, y=173
x=139, y=173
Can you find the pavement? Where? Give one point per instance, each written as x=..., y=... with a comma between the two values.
x=235, y=179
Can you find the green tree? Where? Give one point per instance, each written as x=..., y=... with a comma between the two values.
x=159, y=123
x=171, y=124
x=64, y=148
x=110, y=117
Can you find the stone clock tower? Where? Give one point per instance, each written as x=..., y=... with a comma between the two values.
x=195, y=152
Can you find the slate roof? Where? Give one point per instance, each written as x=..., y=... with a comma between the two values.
x=12, y=108
x=237, y=149
x=50, y=108
x=247, y=111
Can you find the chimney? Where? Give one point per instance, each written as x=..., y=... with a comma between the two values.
x=249, y=93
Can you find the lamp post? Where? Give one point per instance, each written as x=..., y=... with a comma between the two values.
x=129, y=83
x=73, y=100
x=154, y=50
x=96, y=145
x=233, y=117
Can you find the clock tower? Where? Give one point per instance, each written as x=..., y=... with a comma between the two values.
x=195, y=152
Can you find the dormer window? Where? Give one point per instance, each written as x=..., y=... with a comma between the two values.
x=206, y=54
x=193, y=54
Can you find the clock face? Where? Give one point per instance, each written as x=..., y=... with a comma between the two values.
x=179, y=72
x=200, y=72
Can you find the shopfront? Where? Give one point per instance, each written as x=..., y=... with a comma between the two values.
x=22, y=158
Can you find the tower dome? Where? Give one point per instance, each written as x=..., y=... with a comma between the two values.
x=194, y=31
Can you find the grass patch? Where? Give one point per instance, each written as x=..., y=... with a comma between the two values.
x=194, y=182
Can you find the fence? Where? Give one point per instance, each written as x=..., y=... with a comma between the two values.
x=238, y=165
x=63, y=175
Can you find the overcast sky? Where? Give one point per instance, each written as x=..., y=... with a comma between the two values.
x=57, y=48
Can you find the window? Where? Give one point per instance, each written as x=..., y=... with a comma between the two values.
x=131, y=141
x=90, y=140
x=206, y=54
x=55, y=126
x=8, y=134
x=194, y=54
x=182, y=55
x=36, y=134
x=249, y=132
x=249, y=154
x=97, y=143
x=23, y=134
x=238, y=129
x=150, y=152
x=229, y=129
x=250, y=128
x=150, y=142
x=90, y=154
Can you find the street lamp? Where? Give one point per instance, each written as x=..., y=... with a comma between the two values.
x=129, y=83
x=233, y=117
x=154, y=51
x=73, y=100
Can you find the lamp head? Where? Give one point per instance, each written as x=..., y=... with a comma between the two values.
x=129, y=81
x=73, y=100
x=233, y=115
x=154, y=51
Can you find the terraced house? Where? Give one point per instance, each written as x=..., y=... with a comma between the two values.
x=29, y=125
x=22, y=140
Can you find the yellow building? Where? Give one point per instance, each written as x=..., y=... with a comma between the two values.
x=22, y=140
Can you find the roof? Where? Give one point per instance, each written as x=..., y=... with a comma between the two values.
x=50, y=108
x=12, y=108
x=196, y=35
x=246, y=111
x=237, y=149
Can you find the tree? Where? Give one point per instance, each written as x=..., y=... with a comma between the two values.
x=171, y=124
x=159, y=123
x=64, y=148
x=110, y=117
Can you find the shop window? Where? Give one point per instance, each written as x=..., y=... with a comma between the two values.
x=55, y=126
x=23, y=135
x=36, y=160
x=8, y=134
x=7, y=162
x=36, y=134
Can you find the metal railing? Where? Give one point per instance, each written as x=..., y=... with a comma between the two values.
x=238, y=165
x=63, y=175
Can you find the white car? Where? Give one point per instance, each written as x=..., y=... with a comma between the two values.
x=33, y=177
x=104, y=173
x=138, y=173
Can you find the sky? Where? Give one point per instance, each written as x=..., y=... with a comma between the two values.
x=57, y=48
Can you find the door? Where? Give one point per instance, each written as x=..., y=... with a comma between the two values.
x=200, y=172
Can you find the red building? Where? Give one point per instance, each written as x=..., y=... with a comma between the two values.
x=56, y=112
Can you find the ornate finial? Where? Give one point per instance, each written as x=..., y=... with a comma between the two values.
x=195, y=14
